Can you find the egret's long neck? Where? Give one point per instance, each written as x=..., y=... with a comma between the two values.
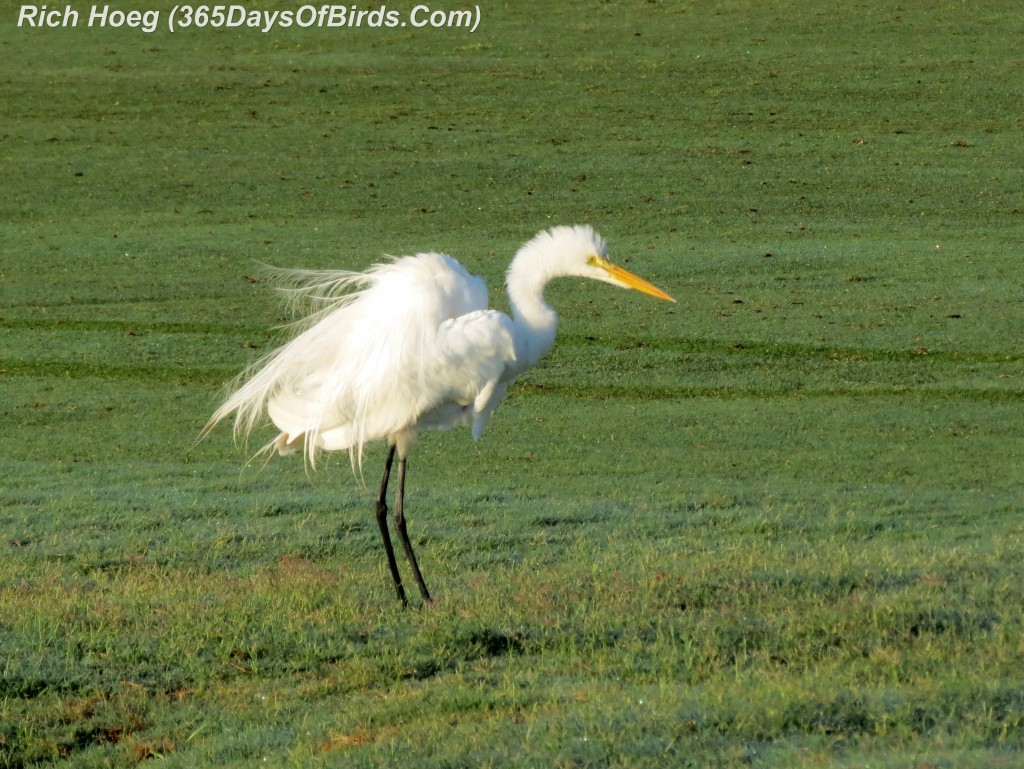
x=535, y=320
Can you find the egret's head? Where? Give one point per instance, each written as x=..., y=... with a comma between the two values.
x=581, y=251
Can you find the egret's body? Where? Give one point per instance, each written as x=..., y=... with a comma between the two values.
x=410, y=345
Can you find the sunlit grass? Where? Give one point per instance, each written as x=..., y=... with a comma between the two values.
x=776, y=524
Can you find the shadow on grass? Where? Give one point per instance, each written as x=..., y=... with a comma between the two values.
x=470, y=646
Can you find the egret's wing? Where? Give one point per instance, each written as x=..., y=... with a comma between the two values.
x=472, y=356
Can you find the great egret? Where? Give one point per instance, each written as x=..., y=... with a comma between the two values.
x=409, y=345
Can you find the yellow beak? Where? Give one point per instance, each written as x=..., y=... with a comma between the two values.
x=631, y=280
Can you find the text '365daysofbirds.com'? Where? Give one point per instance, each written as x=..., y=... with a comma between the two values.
x=185, y=17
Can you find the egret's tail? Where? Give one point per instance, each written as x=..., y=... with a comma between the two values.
x=323, y=292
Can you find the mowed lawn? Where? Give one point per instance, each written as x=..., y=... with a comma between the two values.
x=777, y=524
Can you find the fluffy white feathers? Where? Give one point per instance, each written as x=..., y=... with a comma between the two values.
x=406, y=344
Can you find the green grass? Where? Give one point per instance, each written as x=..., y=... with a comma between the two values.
x=778, y=524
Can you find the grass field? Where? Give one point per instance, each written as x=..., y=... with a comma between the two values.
x=778, y=524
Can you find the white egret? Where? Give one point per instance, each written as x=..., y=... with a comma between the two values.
x=409, y=345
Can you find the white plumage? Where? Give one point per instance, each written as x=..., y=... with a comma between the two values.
x=406, y=345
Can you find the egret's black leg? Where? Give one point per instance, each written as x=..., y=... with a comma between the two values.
x=382, y=522
x=403, y=533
